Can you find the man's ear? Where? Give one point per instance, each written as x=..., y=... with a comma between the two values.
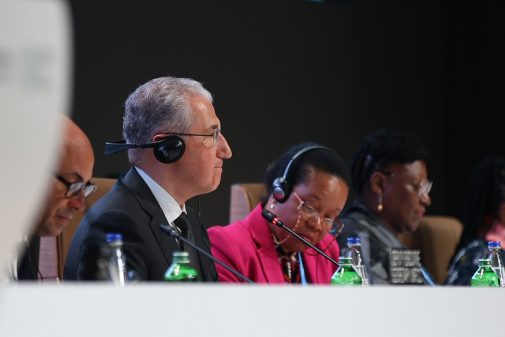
x=158, y=137
x=377, y=180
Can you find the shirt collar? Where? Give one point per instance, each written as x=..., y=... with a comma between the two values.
x=168, y=204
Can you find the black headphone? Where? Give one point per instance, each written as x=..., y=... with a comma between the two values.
x=281, y=188
x=167, y=150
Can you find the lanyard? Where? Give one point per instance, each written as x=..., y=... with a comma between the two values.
x=303, y=279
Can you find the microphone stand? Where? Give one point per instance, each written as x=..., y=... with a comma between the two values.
x=176, y=235
x=276, y=221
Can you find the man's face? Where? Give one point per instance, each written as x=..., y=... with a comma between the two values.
x=201, y=165
x=77, y=166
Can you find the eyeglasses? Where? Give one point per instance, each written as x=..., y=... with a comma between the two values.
x=312, y=215
x=422, y=188
x=73, y=189
x=206, y=141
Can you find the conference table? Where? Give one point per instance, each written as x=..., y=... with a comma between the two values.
x=161, y=309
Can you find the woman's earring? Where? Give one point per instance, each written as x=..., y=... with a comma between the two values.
x=272, y=205
x=380, y=207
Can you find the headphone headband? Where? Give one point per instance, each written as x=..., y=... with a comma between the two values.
x=167, y=150
x=281, y=189
x=298, y=154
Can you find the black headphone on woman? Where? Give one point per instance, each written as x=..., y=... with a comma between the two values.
x=281, y=188
x=167, y=150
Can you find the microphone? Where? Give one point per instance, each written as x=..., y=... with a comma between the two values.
x=176, y=235
x=274, y=220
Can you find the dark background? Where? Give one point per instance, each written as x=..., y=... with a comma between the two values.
x=289, y=71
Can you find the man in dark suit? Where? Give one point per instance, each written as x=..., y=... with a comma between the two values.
x=69, y=186
x=175, y=145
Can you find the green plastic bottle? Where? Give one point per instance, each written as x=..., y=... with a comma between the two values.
x=485, y=275
x=345, y=274
x=180, y=270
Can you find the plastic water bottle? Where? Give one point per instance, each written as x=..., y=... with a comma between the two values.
x=496, y=262
x=354, y=252
x=116, y=262
x=485, y=275
x=346, y=275
x=180, y=270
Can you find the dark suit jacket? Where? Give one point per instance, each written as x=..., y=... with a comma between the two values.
x=131, y=209
x=28, y=264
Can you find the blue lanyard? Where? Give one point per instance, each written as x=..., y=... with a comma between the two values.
x=303, y=279
x=427, y=277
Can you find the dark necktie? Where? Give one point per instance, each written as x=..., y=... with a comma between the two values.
x=182, y=224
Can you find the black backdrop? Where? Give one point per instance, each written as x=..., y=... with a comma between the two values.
x=288, y=71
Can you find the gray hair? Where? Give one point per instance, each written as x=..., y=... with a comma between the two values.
x=160, y=105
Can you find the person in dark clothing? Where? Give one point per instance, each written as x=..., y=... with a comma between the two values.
x=483, y=219
x=390, y=179
x=69, y=186
x=177, y=150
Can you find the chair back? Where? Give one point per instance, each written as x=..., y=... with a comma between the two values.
x=436, y=236
x=244, y=197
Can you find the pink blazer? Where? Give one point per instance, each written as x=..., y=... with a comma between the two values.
x=247, y=246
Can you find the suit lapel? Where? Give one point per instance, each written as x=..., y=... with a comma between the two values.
x=309, y=263
x=270, y=265
x=167, y=244
x=317, y=268
x=146, y=199
x=267, y=255
x=207, y=268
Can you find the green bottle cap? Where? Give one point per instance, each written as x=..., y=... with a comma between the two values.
x=344, y=260
x=180, y=257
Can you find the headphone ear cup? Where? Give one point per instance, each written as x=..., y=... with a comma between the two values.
x=280, y=189
x=170, y=149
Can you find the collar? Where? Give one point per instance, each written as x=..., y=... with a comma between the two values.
x=168, y=204
x=259, y=228
x=357, y=205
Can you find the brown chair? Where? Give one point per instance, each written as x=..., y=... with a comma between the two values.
x=244, y=197
x=436, y=237
x=54, y=250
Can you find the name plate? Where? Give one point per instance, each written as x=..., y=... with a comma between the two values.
x=405, y=266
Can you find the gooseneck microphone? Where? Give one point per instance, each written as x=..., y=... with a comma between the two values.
x=274, y=220
x=176, y=235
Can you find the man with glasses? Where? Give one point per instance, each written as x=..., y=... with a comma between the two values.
x=177, y=150
x=69, y=186
x=315, y=188
x=390, y=179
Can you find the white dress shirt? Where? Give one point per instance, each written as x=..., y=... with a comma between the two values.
x=168, y=204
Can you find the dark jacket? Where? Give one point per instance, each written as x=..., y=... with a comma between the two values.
x=376, y=243
x=131, y=209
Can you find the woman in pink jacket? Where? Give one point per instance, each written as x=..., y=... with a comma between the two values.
x=307, y=189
